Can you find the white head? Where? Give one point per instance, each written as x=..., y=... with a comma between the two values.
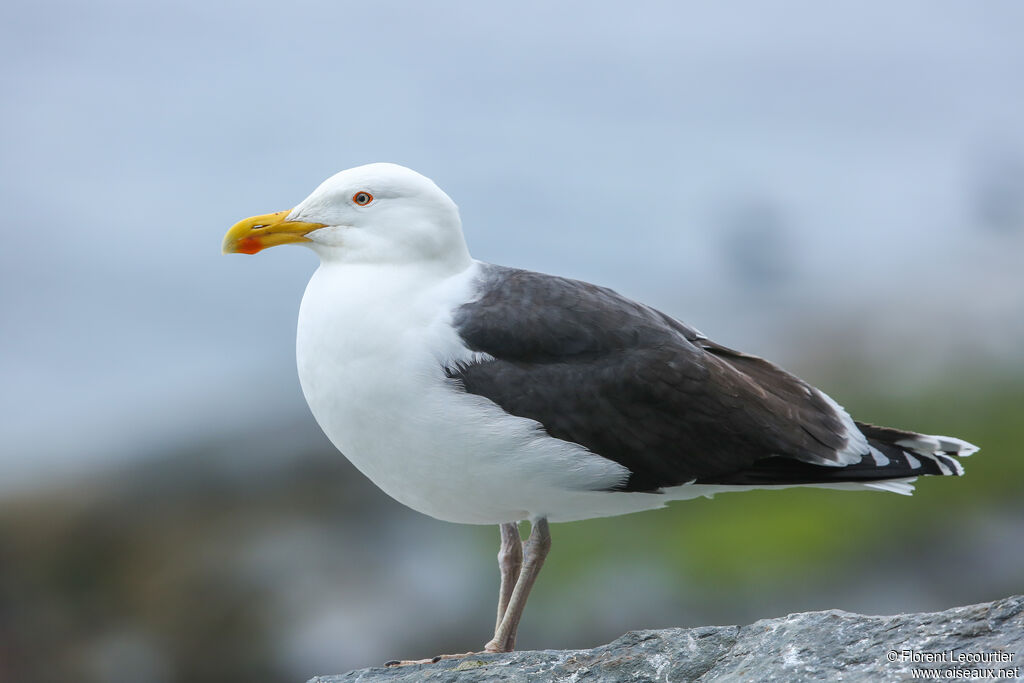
x=378, y=213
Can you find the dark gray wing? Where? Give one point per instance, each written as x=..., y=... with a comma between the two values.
x=635, y=385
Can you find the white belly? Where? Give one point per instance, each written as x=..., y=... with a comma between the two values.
x=371, y=348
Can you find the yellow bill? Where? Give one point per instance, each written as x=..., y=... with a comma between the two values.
x=255, y=234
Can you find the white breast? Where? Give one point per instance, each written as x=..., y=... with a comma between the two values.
x=372, y=344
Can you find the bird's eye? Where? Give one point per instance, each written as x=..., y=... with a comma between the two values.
x=362, y=198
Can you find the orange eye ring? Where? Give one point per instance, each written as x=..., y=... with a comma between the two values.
x=362, y=198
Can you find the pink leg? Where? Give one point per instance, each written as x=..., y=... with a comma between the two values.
x=535, y=550
x=510, y=560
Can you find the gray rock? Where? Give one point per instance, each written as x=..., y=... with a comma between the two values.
x=812, y=646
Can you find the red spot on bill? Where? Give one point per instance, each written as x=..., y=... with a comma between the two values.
x=249, y=245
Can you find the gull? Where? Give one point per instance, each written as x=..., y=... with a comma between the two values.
x=482, y=394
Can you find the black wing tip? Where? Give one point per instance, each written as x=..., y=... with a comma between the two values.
x=884, y=462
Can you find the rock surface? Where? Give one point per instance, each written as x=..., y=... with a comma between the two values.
x=973, y=642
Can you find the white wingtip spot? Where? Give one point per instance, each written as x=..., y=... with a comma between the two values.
x=954, y=467
x=929, y=444
x=955, y=446
x=943, y=466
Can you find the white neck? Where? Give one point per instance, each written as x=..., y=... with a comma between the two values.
x=454, y=258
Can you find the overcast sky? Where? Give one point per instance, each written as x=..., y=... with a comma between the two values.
x=717, y=161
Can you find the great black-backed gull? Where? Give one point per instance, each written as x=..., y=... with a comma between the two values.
x=481, y=394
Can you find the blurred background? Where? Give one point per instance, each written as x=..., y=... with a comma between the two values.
x=839, y=187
